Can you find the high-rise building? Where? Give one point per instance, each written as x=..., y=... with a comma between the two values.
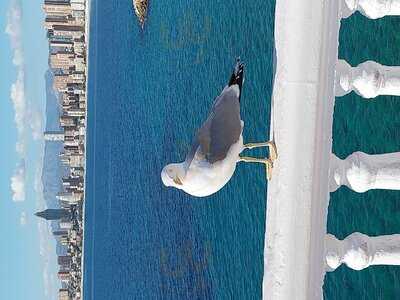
x=72, y=198
x=60, y=233
x=60, y=44
x=62, y=60
x=66, y=225
x=67, y=121
x=54, y=214
x=63, y=294
x=64, y=275
x=73, y=31
x=64, y=260
x=67, y=20
x=57, y=8
x=61, y=81
x=54, y=136
x=64, y=240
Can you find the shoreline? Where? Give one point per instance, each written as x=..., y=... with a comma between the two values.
x=87, y=42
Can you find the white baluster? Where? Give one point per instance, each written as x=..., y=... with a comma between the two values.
x=372, y=9
x=359, y=251
x=362, y=172
x=368, y=79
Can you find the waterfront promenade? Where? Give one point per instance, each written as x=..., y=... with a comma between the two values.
x=87, y=40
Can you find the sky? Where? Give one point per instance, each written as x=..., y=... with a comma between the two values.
x=28, y=261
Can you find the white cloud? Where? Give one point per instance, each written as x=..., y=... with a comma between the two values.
x=13, y=29
x=18, y=183
x=23, y=219
x=36, y=125
x=47, y=251
x=20, y=147
x=24, y=113
x=18, y=99
x=17, y=94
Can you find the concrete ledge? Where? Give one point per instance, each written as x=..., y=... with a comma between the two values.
x=306, y=35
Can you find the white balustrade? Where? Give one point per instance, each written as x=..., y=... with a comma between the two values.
x=359, y=251
x=373, y=9
x=362, y=172
x=368, y=79
x=295, y=255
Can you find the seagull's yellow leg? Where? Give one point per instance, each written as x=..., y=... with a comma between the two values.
x=267, y=161
x=270, y=144
x=273, y=152
x=256, y=145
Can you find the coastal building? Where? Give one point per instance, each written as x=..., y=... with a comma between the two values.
x=65, y=225
x=64, y=241
x=73, y=183
x=53, y=38
x=60, y=44
x=54, y=214
x=76, y=112
x=68, y=20
x=62, y=60
x=72, y=141
x=54, y=136
x=73, y=161
x=77, y=5
x=73, y=31
x=80, y=65
x=61, y=81
x=60, y=233
x=67, y=121
x=64, y=260
x=79, y=47
x=64, y=275
x=63, y=294
x=78, y=14
x=58, y=8
x=73, y=197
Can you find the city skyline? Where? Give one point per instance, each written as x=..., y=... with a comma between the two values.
x=24, y=52
x=65, y=26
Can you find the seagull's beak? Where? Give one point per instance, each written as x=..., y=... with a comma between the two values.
x=178, y=181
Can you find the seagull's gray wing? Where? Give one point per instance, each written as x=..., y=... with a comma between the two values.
x=222, y=128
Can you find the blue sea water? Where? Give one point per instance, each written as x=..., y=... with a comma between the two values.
x=148, y=92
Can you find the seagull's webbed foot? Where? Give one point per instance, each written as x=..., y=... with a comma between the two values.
x=267, y=161
x=270, y=144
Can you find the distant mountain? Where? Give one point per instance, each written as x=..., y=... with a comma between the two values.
x=53, y=108
x=52, y=169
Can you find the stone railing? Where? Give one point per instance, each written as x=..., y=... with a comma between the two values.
x=360, y=171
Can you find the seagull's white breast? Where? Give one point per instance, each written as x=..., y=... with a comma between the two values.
x=204, y=179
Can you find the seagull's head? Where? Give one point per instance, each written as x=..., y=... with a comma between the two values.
x=172, y=175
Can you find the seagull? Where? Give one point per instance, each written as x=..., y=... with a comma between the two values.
x=217, y=146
